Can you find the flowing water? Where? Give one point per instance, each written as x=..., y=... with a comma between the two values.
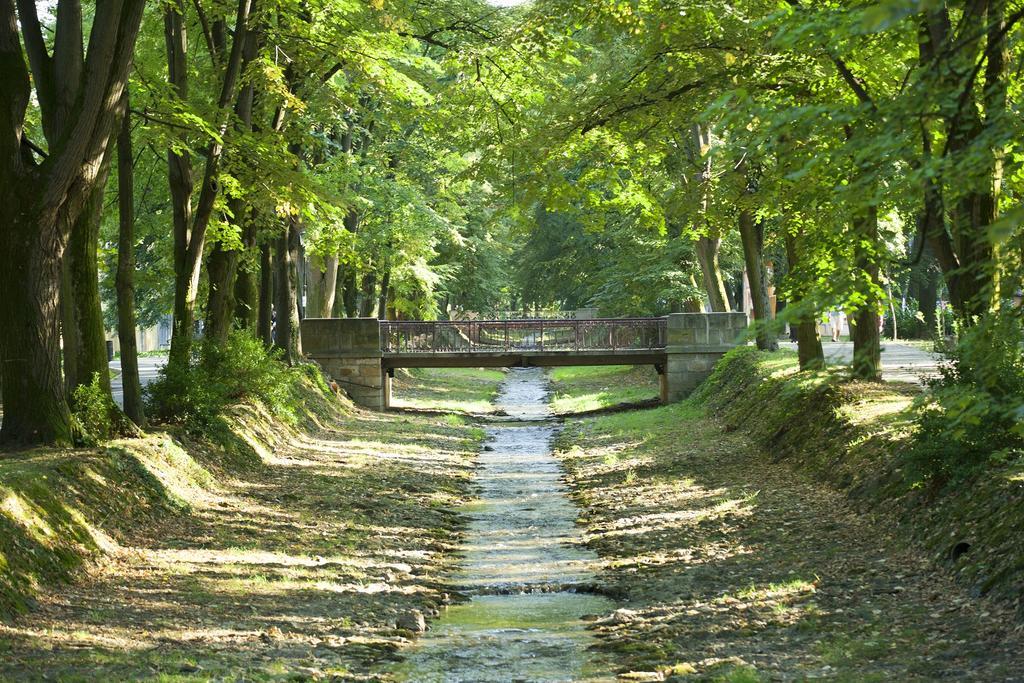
x=523, y=563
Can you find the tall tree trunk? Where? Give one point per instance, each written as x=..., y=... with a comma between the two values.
x=808, y=341
x=867, y=351
x=382, y=301
x=350, y=293
x=221, y=268
x=707, y=245
x=330, y=287
x=40, y=202
x=294, y=256
x=266, y=297
x=180, y=183
x=282, y=298
x=190, y=226
x=966, y=252
x=367, y=294
x=314, y=285
x=247, y=293
x=286, y=300
x=85, y=331
x=323, y=285
x=124, y=281
x=35, y=409
x=752, y=236
x=714, y=284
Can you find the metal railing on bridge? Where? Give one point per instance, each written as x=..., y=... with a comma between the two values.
x=497, y=336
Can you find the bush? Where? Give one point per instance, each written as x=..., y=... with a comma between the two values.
x=217, y=376
x=972, y=417
x=92, y=413
x=909, y=322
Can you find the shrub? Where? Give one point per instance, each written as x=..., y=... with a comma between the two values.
x=92, y=413
x=218, y=375
x=909, y=322
x=972, y=416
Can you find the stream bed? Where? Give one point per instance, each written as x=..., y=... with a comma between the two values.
x=523, y=563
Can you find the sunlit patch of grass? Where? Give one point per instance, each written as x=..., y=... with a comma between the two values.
x=776, y=591
x=456, y=390
x=579, y=389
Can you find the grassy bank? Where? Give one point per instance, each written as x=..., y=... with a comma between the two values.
x=454, y=390
x=853, y=435
x=276, y=545
x=736, y=555
x=582, y=389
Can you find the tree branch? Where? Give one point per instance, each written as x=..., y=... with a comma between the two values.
x=15, y=90
x=640, y=104
x=38, y=58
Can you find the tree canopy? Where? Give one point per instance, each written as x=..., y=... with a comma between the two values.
x=441, y=158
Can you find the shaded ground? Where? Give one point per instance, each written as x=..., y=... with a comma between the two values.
x=733, y=567
x=297, y=570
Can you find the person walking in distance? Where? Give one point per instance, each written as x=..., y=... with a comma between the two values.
x=835, y=319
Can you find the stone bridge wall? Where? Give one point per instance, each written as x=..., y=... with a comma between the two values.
x=696, y=342
x=349, y=349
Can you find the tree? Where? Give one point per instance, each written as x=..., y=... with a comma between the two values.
x=125, y=278
x=43, y=193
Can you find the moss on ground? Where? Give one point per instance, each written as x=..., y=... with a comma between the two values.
x=583, y=389
x=272, y=546
x=736, y=557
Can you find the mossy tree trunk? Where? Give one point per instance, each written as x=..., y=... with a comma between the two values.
x=83, y=329
x=752, y=236
x=41, y=201
x=266, y=295
x=808, y=341
x=125, y=278
x=287, y=335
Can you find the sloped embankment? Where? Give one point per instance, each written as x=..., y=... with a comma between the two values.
x=735, y=558
x=311, y=542
x=851, y=435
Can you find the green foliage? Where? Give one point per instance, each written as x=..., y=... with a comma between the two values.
x=972, y=418
x=218, y=376
x=92, y=413
x=910, y=323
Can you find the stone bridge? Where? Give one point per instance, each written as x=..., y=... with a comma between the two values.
x=362, y=353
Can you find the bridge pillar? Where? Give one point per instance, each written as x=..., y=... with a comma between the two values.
x=348, y=349
x=695, y=343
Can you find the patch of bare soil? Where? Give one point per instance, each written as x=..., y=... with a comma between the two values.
x=733, y=567
x=318, y=565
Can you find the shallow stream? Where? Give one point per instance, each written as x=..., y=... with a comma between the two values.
x=523, y=563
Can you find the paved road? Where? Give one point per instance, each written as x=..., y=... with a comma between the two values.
x=149, y=370
x=900, y=362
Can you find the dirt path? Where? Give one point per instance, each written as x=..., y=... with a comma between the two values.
x=298, y=571
x=735, y=568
